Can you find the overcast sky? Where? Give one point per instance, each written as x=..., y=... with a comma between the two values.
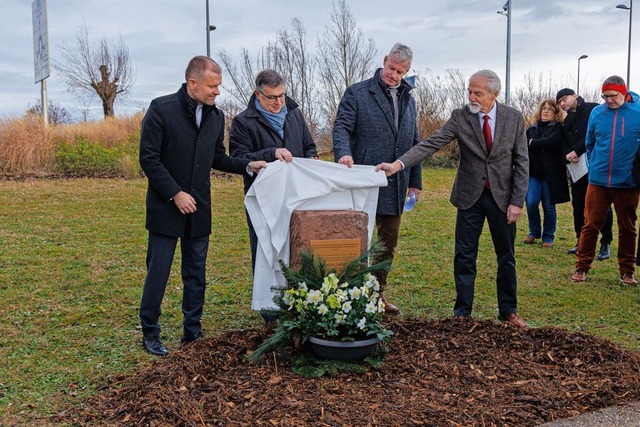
x=548, y=36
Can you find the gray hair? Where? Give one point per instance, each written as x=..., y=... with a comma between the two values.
x=493, y=81
x=198, y=65
x=270, y=78
x=616, y=80
x=401, y=52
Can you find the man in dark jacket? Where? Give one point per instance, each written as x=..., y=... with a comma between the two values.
x=376, y=122
x=181, y=140
x=575, y=130
x=271, y=128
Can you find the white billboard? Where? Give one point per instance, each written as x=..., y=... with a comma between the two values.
x=40, y=40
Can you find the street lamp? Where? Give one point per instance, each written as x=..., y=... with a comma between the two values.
x=630, y=9
x=209, y=29
x=578, y=84
x=506, y=11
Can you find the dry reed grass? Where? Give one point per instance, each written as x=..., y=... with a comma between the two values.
x=26, y=147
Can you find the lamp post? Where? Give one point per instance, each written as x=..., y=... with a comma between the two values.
x=630, y=9
x=506, y=11
x=209, y=29
x=578, y=83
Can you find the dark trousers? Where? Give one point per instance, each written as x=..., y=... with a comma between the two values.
x=160, y=252
x=625, y=202
x=469, y=224
x=578, y=197
x=388, y=227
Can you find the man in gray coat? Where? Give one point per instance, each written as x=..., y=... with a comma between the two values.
x=491, y=183
x=376, y=121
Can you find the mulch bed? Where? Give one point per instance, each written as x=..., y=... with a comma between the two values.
x=437, y=373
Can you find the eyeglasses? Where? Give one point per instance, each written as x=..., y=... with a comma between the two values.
x=274, y=98
x=605, y=97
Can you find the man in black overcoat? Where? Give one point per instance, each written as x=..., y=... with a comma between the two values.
x=181, y=140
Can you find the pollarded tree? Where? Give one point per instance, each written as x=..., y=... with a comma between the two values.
x=104, y=70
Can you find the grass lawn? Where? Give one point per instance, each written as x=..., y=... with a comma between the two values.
x=72, y=256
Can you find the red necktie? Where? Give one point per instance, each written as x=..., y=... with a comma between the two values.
x=486, y=132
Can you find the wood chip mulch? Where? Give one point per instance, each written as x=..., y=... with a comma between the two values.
x=437, y=373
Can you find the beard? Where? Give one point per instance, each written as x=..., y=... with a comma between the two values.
x=474, y=107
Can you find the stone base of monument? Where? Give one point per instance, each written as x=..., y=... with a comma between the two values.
x=335, y=236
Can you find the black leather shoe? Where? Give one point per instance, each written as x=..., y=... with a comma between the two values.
x=573, y=250
x=154, y=346
x=605, y=252
x=187, y=339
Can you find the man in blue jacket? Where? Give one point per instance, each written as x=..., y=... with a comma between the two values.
x=376, y=122
x=613, y=136
x=181, y=140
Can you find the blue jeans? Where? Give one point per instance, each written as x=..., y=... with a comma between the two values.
x=537, y=192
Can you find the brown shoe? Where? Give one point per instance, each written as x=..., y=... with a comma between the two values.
x=579, y=275
x=388, y=307
x=627, y=279
x=529, y=240
x=515, y=320
x=547, y=244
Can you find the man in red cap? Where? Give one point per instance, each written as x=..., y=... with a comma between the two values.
x=613, y=136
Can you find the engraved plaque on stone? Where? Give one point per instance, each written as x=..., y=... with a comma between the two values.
x=336, y=253
x=343, y=227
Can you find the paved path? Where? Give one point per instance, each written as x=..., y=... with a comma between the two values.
x=614, y=416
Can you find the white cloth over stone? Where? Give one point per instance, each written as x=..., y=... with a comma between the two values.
x=303, y=184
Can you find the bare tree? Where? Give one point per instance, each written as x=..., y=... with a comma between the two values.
x=57, y=114
x=83, y=107
x=104, y=70
x=298, y=67
x=345, y=57
x=290, y=57
x=243, y=76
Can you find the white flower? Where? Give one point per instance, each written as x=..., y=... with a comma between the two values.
x=338, y=317
x=289, y=297
x=345, y=285
x=380, y=306
x=362, y=324
x=355, y=293
x=342, y=295
x=314, y=297
x=322, y=309
x=346, y=307
x=371, y=308
x=303, y=286
x=329, y=283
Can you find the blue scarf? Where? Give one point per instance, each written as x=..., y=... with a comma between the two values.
x=276, y=120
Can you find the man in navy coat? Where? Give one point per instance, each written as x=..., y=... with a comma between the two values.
x=181, y=140
x=376, y=122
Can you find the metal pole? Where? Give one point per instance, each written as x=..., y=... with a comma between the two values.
x=508, y=73
x=578, y=82
x=629, y=47
x=208, y=37
x=45, y=102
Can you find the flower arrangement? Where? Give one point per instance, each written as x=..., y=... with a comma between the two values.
x=324, y=304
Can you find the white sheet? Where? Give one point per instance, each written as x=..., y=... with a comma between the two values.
x=303, y=184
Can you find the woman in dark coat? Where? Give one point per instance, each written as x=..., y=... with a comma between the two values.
x=547, y=172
